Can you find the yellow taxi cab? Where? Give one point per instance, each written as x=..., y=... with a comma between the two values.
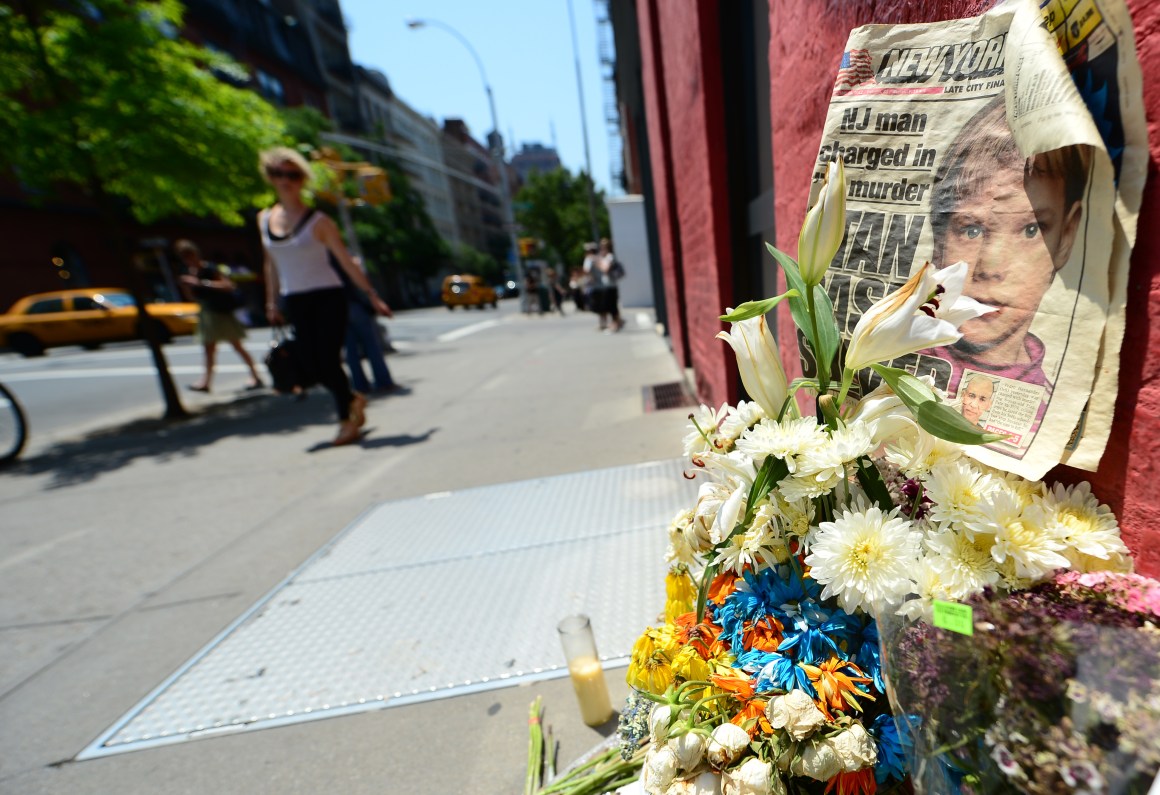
x=87, y=317
x=467, y=290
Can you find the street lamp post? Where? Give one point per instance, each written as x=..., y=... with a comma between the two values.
x=497, y=152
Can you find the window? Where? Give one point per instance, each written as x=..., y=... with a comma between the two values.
x=46, y=307
x=270, y=87
x=83, y=303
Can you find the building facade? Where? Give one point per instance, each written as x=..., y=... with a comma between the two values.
x=475, y=189
x=534, y=157
x=732, y=100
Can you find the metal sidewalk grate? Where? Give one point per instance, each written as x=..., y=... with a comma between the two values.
x=660, y=397
x=383, y=615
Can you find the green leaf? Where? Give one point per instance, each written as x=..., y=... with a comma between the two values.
x=772, y=470
x=752, y=309
x=870, y=479
x=944, y=422
x=798, y=307
x=932, y=414
x=703, y=590
x=828, y=339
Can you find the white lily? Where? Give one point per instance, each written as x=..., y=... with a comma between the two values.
x=758, y=362
x=824, y=226
x=926, y=312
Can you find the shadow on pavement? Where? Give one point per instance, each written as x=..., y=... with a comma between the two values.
x=84, y=459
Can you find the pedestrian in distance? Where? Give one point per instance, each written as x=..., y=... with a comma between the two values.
x=214, y=293
x=556, y=291
x=593, y=296
x=296, y=241
x=608, y=273
x=362, y=340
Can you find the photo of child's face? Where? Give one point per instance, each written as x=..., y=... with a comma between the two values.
x=1014, y=234
x=977, y=396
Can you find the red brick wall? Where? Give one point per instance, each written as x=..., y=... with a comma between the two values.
x=692, y=136
x=808, y=39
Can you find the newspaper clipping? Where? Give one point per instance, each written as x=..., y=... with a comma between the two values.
x=1014, y=141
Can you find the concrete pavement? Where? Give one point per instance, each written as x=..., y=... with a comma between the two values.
x=123, y=552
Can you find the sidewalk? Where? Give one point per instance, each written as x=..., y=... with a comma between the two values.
x=125, y=552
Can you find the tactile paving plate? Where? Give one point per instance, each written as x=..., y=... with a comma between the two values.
x=427, y=598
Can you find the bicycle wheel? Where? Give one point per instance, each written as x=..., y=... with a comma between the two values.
x=13, y=428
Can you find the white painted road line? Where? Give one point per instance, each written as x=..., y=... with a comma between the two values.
x=112, y=372
x=459, y=333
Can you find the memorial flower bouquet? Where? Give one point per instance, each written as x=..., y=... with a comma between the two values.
x=767, y=675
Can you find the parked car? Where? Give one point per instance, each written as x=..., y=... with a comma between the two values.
x=87, y=317
x=467, y=290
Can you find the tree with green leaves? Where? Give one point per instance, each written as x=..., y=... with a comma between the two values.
x=102, y=95
x=553, y=207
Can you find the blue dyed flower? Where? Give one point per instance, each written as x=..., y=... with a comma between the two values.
x=893, y=748
x=869, y=656
x=782, y=673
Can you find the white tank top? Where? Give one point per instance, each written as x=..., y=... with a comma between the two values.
x=301, y=259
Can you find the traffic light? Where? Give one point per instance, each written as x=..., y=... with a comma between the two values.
x=374, y=186
x=528, y=246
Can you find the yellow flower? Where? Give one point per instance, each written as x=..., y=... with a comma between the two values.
x=680, y=594
x=652, y=673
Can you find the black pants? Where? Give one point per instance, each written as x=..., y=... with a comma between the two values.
x=319, y=320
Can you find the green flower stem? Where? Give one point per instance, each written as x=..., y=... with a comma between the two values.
x=823, y=367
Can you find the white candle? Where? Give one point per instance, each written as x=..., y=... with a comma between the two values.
x=591, y=690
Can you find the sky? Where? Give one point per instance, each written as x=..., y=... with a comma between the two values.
x=526, y=50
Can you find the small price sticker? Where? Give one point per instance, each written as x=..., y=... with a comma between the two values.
x=954, y=617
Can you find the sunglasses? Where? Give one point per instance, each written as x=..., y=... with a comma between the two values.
x=293, y=174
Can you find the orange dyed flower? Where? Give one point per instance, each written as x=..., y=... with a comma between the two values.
x=860, y=782
x=837, y=685
x=765, y=634
x=751, y=717
x=739, y=683
x=723, y=584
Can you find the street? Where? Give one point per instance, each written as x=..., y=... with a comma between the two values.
x=127, y=547
x=70, y=390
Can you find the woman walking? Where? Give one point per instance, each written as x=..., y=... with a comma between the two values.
x=213, y=291
x=296, y=240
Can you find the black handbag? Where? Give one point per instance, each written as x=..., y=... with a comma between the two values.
x=284, y=362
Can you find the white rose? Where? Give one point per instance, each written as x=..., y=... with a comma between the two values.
x=752, y=777
x=659, y=770
x=856, y=748
x=633, y=788
x=689, y=748
x=658, y=724
x=707, y=783
x=796, y=713
x=726, y=744
x=818, y=760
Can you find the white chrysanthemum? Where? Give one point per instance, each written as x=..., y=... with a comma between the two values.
x=958, y=490
x=1026, y=491
x=806, y=487
x=928, y=585
x=740, y=418
x=916, y=453
x=680, y=550
x=1021, y=535
x=865, y=557
x=964, y=564
x=789, y=440
x=796, y=516
x=704, y=429
x=846, y=445
x=760, y=546
x=1086, y=527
